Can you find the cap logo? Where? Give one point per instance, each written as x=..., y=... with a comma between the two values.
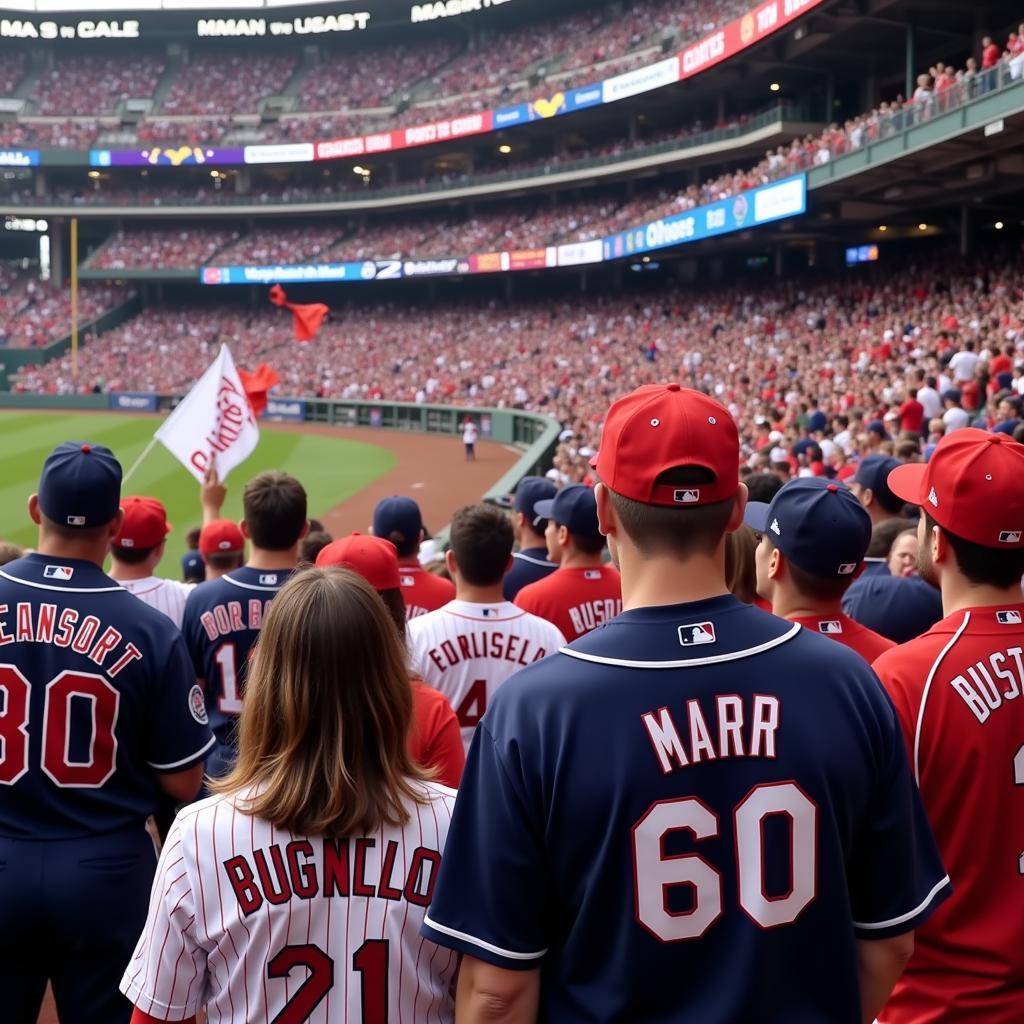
x=407, y=581
x=1009, y=537
x=1008, y=618
x=655, y=423
x=126, y=542
x=775, y=528
x=58, y=572
x=696, y=633
x=76, y=520
x=933, y=498
x=712, y=420
x=197, y=705
x=224, y=545
x=686, y=496
x=847, y=568
x=830, y=626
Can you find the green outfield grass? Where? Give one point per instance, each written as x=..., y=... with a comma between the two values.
x=331, y=468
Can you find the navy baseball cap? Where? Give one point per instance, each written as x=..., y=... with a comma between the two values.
x=573, y=507
x=819, y=526
x=192, y=567
x=531, y=490
x=397, y=515
x=878, y=427
x=80, y=485
x=874, y=472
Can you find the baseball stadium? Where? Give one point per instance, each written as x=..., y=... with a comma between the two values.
x=511, y=512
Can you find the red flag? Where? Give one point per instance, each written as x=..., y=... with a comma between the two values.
x=306, y=317
x=257, y=384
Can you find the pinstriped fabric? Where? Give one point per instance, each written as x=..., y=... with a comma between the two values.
x=167, y=596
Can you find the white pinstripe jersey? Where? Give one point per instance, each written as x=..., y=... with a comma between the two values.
x=468, y=650
x=167, y=596
x=258, y=925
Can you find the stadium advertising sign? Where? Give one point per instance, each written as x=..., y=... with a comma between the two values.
x=25, y=28
x=786, y=198
x=166, y=156
x=124, y=401
x=19, y=157
x=781, y=199
x=320, y=24
x=292, y=410
x=420, y=13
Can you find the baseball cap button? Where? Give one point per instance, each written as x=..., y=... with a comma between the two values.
x=86, y=448
x=673, y=387
x=832, y=488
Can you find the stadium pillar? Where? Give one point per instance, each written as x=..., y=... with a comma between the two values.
x=40, y=184
x=911, y=59
x=243, y=180
x=965, y=230
x=57, y=252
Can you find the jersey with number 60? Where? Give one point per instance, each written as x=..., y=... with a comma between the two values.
x=257, y=924
x=688, y=815
x=97, y=696
x=222, y=623
x=468, y=650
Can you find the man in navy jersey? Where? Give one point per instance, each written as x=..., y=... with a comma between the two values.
x=223, y=616
x=530, y=563
x=101, y=714
x=698, y=812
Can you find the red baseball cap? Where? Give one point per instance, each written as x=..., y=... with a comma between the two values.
x=664, y=426
x=973, y=485
x=374, y=558
x=220, y=537
x=145, y=523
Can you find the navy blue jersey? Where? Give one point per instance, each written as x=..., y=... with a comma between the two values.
x=98, y=697
x=222, y=622
x=898, y=607
x=528, y=566
x=688, y=815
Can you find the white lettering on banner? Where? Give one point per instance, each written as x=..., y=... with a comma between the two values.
x=340, y=148
x=449, y=9
x=632, y=83
x=444, y=266
x=793, y=7
x=305, y=272
x=703, y=52
x=767, y=17
x=229, y=27
x=213, y=424
x=715, y=219
x=16, y=158
x=782, y=200
x=668, y=232
x=286, y=153
x=574, y=254
x=378, y=143
x=14, y=28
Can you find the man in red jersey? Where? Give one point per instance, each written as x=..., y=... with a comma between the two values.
x=958, y=692
x=814, y=536
x=399, y=520
x=581, y=593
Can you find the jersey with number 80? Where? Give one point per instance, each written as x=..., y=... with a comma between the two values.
x=258, y=924
x=96, y=696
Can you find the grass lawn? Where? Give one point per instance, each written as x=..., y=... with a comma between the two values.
x=331, y=469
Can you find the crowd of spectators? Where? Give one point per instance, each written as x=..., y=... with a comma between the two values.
x=223, y=83
x=843, y=363
x=288, y=243
x=94, y=85
x=165, y=248
x=12, y=70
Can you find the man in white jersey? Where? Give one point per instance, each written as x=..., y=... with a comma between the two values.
x=138, y=549
x=470, y=646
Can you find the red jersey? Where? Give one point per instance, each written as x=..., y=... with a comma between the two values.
x=575, y=600
x=435, y=740
x=911, y=416
x=957, y=691
x=841, y=628
x=990, y=56
x=423, y=591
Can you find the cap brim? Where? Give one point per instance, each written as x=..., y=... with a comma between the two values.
x=593, y=461
x=543, y=509
x=756, y=515
x=907, y=482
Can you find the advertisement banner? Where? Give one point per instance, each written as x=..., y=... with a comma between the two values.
x=290, y=410
x=527, y=259
x=509, y=117
x=134, y=401
x=166, y=156
x=575, y=254
x=19, y=157
x=485, y=263
x=285, y=153
x=632, y=83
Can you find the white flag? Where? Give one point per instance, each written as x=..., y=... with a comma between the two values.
x=213, y=424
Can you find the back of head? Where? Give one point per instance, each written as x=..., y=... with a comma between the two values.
x=274, y=510
x=327, y=711
x=480, y=538
x=79, y=492
x=883, y=534
x=399, y=520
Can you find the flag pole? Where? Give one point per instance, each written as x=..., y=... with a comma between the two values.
x=138, y=461
x=74, y=298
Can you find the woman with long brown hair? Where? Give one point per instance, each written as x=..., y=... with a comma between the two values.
x=297, y=891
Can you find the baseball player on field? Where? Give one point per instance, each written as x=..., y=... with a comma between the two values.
x=697, y=813
x=223, y=617
x=958, y=693
x=813, y=538
x=137, y=550
x=297, y=892
x=530, y=563
x=101, y=715
x=468, y=648
x=400, y=521
x=583, y=593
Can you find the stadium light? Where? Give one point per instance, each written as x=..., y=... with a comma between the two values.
x=775, y=87
x=506, y=149
x=359, y=170
x=999, y=225
x=94, y=174
x=883, y=227
x=922, y=227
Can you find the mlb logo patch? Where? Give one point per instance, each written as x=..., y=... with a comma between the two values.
x=1008, y=618
x=696, y=633
x=76, y=520
x=58, y=572
x=686, y=496
x=407, y=581
x=592, y=574
x=847, y=568
x=830, y=627
x=269, y=579
x=489, y=613
x=1009, y=537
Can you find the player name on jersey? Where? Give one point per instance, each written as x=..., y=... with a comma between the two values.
x=740, y=728
x=276, y=873
x=980, y=692
x=84, y=634
x=234, y=617
x=485, y=644
x=589, y=615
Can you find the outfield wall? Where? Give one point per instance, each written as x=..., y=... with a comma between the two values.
x=535, y=435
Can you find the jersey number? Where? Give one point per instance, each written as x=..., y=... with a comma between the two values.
x=473, y=705
x=656, y=874
x=370, y=961
x=230, y=703
x=103, y=702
